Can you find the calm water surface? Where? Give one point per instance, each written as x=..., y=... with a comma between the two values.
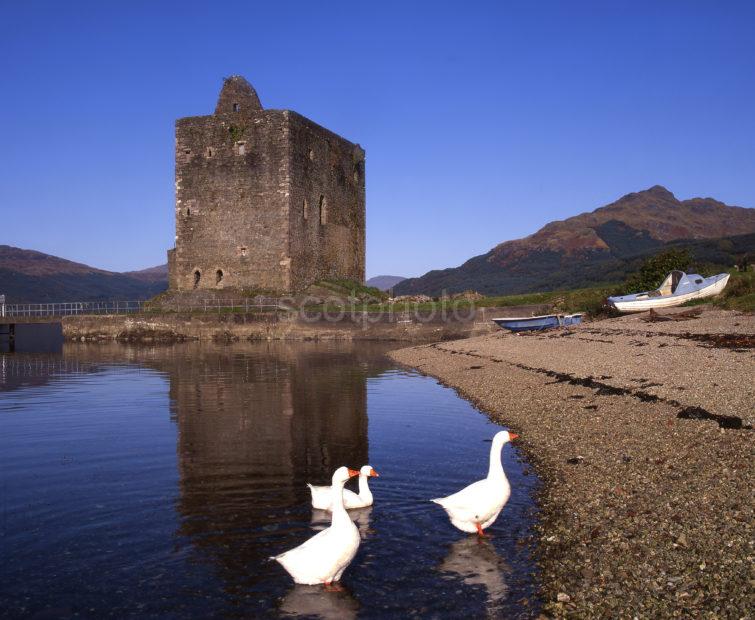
x=155, y=482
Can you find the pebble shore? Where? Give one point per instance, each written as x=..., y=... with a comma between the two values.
x=641, y=433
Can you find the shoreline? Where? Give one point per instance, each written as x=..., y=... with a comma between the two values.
x=240, y=327
x=338, y=324
x=641, y=434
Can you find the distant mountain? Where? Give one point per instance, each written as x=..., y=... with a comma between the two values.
x=157, y=274
x=27, y=276
x=384, y=283
x=600, y=246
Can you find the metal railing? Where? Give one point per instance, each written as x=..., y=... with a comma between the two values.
x=59, y=309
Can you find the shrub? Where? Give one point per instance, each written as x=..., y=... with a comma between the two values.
x=656, y=268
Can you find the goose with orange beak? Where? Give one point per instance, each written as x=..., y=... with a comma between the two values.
x=324, y=557
x=322, y=496
x=478, y=505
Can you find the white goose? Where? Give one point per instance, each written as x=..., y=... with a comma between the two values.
x=322, y=497
x=476, y=506
x=324, y=557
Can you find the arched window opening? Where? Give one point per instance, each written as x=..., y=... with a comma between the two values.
x=197, y=278
x=323, y=210
x=218, y=276
x=305, y=209
x=209, y=151
x=188, y=211
x=311, y=155
x=241, y=148
x=358, y=171
x=236, y=107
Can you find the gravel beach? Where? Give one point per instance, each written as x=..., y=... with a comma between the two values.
x=641, y=433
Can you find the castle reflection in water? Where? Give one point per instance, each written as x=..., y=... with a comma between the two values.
x=253, y=429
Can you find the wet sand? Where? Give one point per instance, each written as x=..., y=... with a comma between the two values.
x=642, y=435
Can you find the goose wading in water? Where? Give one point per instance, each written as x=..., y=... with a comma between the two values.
x=322, y=497
x=476, y=506
x=324, y=557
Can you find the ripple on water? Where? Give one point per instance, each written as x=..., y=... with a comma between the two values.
x=158, y=486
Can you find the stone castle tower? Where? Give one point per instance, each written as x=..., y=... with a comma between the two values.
x=265, y=199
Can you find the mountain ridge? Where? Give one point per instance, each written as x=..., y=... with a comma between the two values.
x=636, y=223
x=384, y=283
x=30, y=276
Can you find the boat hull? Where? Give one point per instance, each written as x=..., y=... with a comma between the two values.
x=669, y=301
x=537, y=323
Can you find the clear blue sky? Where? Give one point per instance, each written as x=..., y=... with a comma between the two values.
x=482, y=121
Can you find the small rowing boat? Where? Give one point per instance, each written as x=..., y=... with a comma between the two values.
x=544, y=321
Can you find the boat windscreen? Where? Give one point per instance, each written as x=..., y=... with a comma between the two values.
x=676, y=277
x=669, y=285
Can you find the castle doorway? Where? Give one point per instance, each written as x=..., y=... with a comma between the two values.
x=197, y=278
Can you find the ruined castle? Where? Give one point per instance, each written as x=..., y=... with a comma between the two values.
x=266, y=200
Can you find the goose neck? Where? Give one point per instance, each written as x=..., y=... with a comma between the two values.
x=339, y=511
x=364, y=488
x=496, y=467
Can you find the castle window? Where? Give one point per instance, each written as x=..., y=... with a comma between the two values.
x=197, y=278
x=358, y=171
x=242, y=251
x=209, y=151
x=188, y=211
x=236, y=107
x=305, y=209
x=187, y=152
x=240, y=148
x=323, y=210
x=218, y=276
x=311, y=155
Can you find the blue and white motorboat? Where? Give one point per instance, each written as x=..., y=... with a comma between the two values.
x=534, y=323
x=677, y=288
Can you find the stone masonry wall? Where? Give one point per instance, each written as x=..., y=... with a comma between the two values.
x=327, y=211
x=231, y=203
x=184, y=326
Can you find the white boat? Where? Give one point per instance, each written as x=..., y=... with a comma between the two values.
x=677, y=288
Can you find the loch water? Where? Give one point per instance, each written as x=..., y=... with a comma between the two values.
x=154, y=482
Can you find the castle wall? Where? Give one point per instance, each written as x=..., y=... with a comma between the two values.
x=172, y=273
x=231, y=202
x=243, y=178
x=325, y=166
